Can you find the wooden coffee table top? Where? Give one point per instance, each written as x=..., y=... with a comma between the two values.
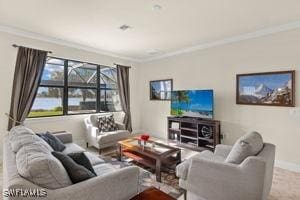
x=159, y=150
x=152, y=194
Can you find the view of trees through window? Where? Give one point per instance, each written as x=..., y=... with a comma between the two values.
x=72, y=87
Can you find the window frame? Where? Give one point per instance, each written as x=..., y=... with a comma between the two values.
x=65, y=87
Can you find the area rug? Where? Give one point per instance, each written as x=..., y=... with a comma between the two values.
x=147, y=178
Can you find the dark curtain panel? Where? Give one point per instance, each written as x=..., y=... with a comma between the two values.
x=124, y=91
x=28, y=71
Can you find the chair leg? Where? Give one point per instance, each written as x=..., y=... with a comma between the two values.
x=185, y=195
x=87, y=145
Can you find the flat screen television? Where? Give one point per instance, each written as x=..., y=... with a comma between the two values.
x=193, y=103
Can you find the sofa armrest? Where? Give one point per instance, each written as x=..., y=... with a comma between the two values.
x=244, y=181
x=118, y=185
x=94, y=131
x=120, y=126
x=64, y=137
x=223, y=150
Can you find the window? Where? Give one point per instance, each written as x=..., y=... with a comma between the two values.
x=71, y=87
x=109, y=96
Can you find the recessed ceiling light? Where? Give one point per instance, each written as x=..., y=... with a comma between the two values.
x=124, y=27
x=157, y=7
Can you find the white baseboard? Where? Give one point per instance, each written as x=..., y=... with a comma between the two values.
x=287, y=165
x=138, y=131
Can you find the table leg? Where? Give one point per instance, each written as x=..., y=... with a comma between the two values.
x=179, y=157
x=184, y=194
x=120, y=152
x=158, y=170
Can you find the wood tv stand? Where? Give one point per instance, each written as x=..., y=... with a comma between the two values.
x=194, y=133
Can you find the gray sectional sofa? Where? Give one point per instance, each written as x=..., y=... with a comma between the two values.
x=29, y=164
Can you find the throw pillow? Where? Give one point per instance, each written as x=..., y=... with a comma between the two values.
x=53, y=141
x=77, y=173
x=248, y=145
x=20, y=136
x=36, y=164
x=81, y=159
x=102, y=124
x=110, y=123
x=107, y=123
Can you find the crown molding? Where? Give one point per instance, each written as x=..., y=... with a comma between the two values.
x=37, y=36
x=229, y=40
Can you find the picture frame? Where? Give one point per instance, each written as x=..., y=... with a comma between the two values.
x=266, y=88
x=160, y=90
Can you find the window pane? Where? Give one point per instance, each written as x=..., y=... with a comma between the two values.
x=55, y=61
x=108, y=77
x=82, y=74
x=110, y=101
x=48, y=102
x=81, y=100
x=53, y=75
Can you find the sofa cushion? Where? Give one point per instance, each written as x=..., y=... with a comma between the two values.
x=183, y=168
x=36, y=164
x=20, y=136
x=248, y=145
x=76, y=172
x=95, y=160
x=112, y=136
x=72, y=148
x=103, y=169
x=82, y=159
x=53, y=141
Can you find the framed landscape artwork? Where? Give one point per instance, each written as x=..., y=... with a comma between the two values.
x=161, y=89
x=269, y=88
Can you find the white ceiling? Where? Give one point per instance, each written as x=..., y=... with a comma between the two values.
x=180, y=24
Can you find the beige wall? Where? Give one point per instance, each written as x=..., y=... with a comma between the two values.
x=73, y=124
x=216, y=68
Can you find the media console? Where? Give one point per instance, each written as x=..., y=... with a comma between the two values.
x=194, y=133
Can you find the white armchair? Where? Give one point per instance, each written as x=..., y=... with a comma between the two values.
x=206, y=176
x=102, y=140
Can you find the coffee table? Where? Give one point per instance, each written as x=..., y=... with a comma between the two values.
x=152, y=194
x=154, y=154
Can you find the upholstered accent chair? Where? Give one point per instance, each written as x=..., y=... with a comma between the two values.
x=99, y=139
x=220, y=176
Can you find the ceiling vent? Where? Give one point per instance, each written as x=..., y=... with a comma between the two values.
x=157, y=7
x=125, y=27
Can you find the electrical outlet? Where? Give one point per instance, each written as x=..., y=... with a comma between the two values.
x=223, y=136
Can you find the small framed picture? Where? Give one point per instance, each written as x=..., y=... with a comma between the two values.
x=161, y=89
x=268, y=88
x=175, y=125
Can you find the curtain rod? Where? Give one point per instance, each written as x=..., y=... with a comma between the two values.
x=14, y=45
x=122, y=65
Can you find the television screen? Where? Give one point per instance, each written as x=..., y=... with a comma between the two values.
x=193, y=103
